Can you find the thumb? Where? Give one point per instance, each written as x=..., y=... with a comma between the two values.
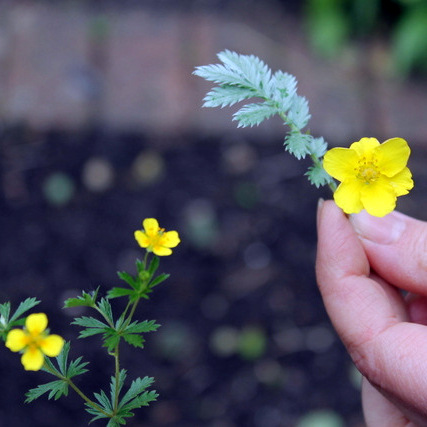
x=396, y=247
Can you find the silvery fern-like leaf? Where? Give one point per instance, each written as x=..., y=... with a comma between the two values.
x=220, y=74
x=318, y=176
x=284, y=87
x=318, y=147
x=254, y=72
x=254, y=114
x=298, y=144
x=227, y=95
x=298, y=114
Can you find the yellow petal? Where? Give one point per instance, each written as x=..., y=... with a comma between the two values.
x=169, y=239
x=142, y=239
x=151, y=226
x=364, y=146
x=36, y=323
x=347, y=196
x=340, y=163
x=32, y=359
x=52, y=345
x=378, y=198
x=402, y=182
x=392, y=156
x=16, y=340
x=161, y=250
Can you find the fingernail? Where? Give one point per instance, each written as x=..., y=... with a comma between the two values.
x=384, y=231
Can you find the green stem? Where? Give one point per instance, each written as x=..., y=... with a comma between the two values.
x=117, y=374
x=77, y=390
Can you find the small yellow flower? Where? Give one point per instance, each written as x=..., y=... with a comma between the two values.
x=156, y=239
x=35, y=341
x=372, y=175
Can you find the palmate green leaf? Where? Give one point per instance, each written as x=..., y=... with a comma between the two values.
x=138, y=386
x=142, y=327
x=105, y=308
x=85, y=300
x=254, y=114
x=129, y=279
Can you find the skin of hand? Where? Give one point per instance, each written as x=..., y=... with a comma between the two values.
x=372, y=275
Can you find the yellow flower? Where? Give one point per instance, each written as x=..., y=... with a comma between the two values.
x=35, y=341
x=156, y=239
x=372, y=175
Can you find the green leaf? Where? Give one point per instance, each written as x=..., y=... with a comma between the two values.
x=120, y=292
x=130, y=280
x=56, y=389
x=114, y=389
x=138, y=386
x=159, y=279
x=85, y=300
x=154, y=265
x=106, y=310
x=142, y=327
x=89, y=322
x=254, y=114
x=298, y=144
x=24, y=306
x=284, y=89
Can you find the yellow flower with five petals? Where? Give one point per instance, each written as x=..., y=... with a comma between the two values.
x=156, y=239
x=34, y=341
x=372, y=175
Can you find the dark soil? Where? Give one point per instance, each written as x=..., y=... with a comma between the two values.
x=245, y=339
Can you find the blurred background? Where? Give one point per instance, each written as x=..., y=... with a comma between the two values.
x=101, y=125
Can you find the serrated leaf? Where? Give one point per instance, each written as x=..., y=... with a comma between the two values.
x=318, y=147
x=318, y=176
x=227, y=95
x=154, y=265
x=113, y=388
x=130, y=280
x=105, y=308
x=85, y=300
x=24, y=306
x=56, y=389
x=138, y=386
x=120, y=292
x=298, y=144
x=142, y=327
x=254, y=114
x=76, y=367
x=159, y=279
x=298, y=114
x=134, y=340
x=284, y=89
x=89, y=322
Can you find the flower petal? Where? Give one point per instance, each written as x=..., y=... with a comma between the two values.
x=364, y=146
x=169, y=239
x=378, y=198
x=36, y=323
x=347, y=196
x=52, y=345
x=151, y=226
x=16, y=340
x=142, y=239
x=340, y=163
x=162, y=250
x=402, y=182
x=392, y=156
x=32, y=359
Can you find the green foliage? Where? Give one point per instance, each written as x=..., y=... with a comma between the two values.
x=65, y=371
x=242, y=77
x=8, y=321
x=85, y=300
x=136, y=397
x=333, y=24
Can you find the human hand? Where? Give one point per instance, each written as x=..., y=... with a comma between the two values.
x=360, y=276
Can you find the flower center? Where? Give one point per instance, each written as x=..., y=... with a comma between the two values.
x=367, y=170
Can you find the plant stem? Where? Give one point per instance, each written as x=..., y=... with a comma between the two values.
x=117, y=374
x=77, y=390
